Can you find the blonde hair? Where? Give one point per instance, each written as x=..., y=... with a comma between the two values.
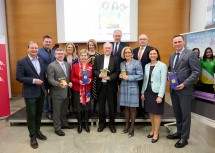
x=123, y=50
x=31, y=42
x=74, y=53
x=82, y=52
x=92, y=41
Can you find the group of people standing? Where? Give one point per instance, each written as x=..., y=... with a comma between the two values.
x=206, y=81
x=138, y=75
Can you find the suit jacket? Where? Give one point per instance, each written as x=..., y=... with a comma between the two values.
x=113, y=67
x=121, y=46
x=25, y=73
x=144, y=60
x=158, y=78
x=43, y=54
x=187, y=69
x=54, y=72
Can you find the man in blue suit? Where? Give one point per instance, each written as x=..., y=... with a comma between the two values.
x=47, y=54
x=140, y=54
x=187, y=68
x=30, y=72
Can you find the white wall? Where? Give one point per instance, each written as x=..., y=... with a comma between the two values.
x=198, y=12
x=3, y=32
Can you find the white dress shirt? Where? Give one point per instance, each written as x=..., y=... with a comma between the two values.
x=106, y=64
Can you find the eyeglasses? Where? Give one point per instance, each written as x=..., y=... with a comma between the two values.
x=143, y=39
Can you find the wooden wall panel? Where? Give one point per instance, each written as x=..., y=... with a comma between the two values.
x=27, y=20
x=30, y=20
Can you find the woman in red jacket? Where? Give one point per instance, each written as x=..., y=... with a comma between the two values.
x=81, y=77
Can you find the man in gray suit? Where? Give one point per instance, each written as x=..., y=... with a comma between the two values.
x=57, y=71
x=187, y=68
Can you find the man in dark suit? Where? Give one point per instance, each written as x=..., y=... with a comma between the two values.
x=140, y=53
x=118, y=45
x=117, y=50
x=106, y=85
x=59, y=71
x=47, y=54
x=30, y=72
x=187, y=68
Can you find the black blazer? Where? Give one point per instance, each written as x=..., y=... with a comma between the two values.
x=121, y=46
x=113, y=67
x=25, y=73
x=144, y=60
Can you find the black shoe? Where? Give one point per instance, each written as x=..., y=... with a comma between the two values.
x=174, y=136
x=34, y=143
x=79, y=128
x=125, y=130
x=60, y=133
x=87, y=129
x=155, y=140
x=181, y=143
x=112, y=129
x=101, y=128
x=131, y=133
x=67, y=127
x=40, y=136
x=150, y=136
x=49, y=116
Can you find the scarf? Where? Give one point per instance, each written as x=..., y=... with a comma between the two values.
x=84, y=89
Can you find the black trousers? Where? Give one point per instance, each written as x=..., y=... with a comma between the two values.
x=103, y=96
x=34, y=110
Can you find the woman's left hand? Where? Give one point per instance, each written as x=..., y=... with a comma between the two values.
x=159, y=100
x=81, y=83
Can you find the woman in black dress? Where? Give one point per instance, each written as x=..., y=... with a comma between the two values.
x=92, y=47
x=72, y=58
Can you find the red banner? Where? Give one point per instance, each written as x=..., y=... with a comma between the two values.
x=4, y=94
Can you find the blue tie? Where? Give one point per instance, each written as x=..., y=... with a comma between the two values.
x=64, y=68
x=115, y=49
x=177, y=58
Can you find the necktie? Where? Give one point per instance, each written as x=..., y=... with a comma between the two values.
x=64, y=68
x=177, y=58
x=140, y=53
x=115, y=49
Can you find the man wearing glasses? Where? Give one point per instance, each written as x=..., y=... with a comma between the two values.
x=140, y=54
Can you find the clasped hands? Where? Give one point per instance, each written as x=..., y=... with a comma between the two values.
x=81, y=82
x=124, y=77
x=69, y=85
x=101, y=75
